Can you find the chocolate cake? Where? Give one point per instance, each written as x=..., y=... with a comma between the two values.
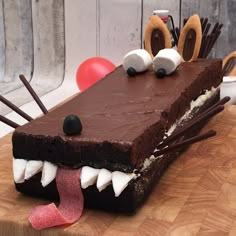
x=124, y=119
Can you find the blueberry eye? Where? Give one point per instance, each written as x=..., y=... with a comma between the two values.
x=161, y=73
x=72, y=125
x=131, y=71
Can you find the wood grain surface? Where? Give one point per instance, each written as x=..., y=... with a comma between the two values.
x=195, y=196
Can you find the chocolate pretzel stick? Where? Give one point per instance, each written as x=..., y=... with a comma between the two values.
x=204, y=24
x=185, y=21
x=228, y=66
x=219, y=103
x=214, y=38
x=202, y=117
x=215, y=33
x=207, y=28
x=177, y=30
x=174, y=35
x=33, y=94
x=15, y=108
x=8, y=122
x=207, y=42
x=189, y=141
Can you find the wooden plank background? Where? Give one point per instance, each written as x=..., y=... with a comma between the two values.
x=48, y=39
x=120, y=23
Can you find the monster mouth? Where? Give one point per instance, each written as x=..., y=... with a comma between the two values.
x=70, y=182
x=24, y=170
x=71, y=202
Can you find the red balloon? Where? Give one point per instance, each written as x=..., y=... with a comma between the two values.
x=92, y=70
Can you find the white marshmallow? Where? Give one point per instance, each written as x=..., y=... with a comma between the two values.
x=104, y=179
x=168, y=59
x=120, y=181
x=32, y=168
x=139, y=59
x=19, y=166
x=49, y=173
x=88, y=176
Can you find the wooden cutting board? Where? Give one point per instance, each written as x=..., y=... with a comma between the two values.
x=196, y=195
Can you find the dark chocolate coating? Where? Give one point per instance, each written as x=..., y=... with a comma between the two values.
x=123, y=119
x=136, y=192
x=157, y=41
x=189, y=45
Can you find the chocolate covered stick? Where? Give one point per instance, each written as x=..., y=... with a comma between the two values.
x=192, y=124
x=33, y=94
x=15, y=108
x=8, y=122
x=214, y=36
x=189, y=141
x=220, y=102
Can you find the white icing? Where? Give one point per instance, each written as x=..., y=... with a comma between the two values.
x=120, y=181
x=138, y=59
x=88, y=176
x=32, y=168
x=104, y=179
x=19, y=166
x=49, y=173
x=194, y=104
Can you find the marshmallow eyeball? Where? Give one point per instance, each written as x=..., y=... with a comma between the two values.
x=136, y=61
x=166, y=62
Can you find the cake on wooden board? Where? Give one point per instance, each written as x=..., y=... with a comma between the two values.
x=124, y=119
x=108, y=146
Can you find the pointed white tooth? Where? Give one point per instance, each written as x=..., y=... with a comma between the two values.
x=49, y=173
x=19, y=166
x=104, y=179
x=32, y=168
x=120, y=181
x=88, y=176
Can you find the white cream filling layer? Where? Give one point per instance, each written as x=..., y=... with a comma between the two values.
x=24, y=170
x=194, y=104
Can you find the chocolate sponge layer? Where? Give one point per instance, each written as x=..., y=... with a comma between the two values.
x=123, y=118
x=136, y=192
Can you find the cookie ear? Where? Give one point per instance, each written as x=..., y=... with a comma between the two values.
x=229, y=64
x=190, y=39
x=157, y=36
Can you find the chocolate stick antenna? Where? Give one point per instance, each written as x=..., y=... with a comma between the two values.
x=228, y=66
x=189, y=141
x=202, y=117
x=8, y=122
x=33, y=94
x=15, y=108
x=220, y=102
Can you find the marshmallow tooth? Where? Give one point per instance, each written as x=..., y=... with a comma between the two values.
x=104, y=179
x=88, y=176
x=139, y=60
x=120, y=181
x=168, y=59
x=19, y=166
x=48, y=173
x=33, y=167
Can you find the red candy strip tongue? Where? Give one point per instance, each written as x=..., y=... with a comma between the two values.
x=71, y=202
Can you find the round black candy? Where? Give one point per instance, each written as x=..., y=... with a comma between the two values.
x=72, y=125
x=131, y=71
x=161, y=73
